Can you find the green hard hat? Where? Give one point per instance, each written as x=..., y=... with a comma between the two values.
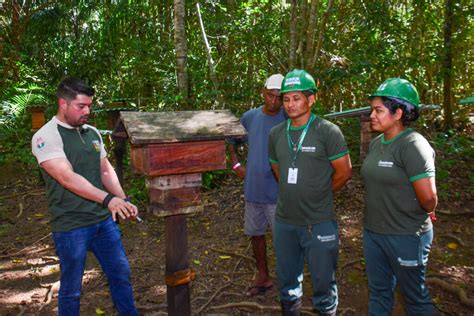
x=398, y=88
x=298, y=80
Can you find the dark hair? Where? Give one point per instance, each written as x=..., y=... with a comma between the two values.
x=70, y=87
x=308, y=93
x=410, y=113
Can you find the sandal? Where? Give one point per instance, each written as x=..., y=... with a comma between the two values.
x=257, y=290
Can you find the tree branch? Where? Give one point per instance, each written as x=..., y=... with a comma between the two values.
x=322, y=29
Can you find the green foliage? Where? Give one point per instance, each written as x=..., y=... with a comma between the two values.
x=455, y=150
x=18, y=98
x=15, y=145
x=442, y=175
x=211, y=179
x=350, y=127
x=125, y=49
x=456, y=144
x=15, y=123
x=136, y=189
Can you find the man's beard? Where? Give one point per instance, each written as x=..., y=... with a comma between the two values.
x=80, y=121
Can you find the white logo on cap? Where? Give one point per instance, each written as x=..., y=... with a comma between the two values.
x=382, y=86
x=292, y=80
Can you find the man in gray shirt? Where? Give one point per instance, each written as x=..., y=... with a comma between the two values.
x=261, y=188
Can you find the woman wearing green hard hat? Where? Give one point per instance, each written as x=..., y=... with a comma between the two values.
x=310, y=157
x=400, y=199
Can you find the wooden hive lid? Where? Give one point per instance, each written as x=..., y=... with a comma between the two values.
x=180, y=126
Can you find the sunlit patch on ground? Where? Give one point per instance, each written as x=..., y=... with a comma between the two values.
x=220, y=255
x=159, y=290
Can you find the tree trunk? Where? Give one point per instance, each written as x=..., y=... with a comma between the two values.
x=448, y=65
x=311, y=31
x=15, y=39
x=227, y=80
x=210, y=61
x=293, y=40
x=181, y=51
x=322, y=29
x=303, y=16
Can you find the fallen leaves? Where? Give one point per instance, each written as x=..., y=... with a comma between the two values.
x=452, y=245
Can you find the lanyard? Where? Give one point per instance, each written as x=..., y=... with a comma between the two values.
x=301, y=139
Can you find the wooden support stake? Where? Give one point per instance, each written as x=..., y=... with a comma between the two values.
x=366, y=136
x=173, y=196
x=120, y=149
x=178, y=297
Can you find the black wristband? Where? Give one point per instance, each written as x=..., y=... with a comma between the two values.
x=128, y=199
x=107, y=199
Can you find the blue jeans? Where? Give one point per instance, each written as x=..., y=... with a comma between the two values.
x=103, y=239
x=397, y=258
x=319, y=244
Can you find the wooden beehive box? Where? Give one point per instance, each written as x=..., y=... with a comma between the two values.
x=172, y=149
x=165, y=143
x=37, y=117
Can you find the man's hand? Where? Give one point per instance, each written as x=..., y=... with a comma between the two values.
x=125, y=210
x=240, y=171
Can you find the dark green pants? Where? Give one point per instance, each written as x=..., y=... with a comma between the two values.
x=402, y=259
x=319, y=245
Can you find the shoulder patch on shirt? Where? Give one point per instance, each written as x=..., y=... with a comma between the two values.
x=96, y=145
x=40, y=143
x=385, y=164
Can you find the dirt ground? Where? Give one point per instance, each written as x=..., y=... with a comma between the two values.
x=219, y=253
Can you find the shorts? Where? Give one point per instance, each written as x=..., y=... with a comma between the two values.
x=258, y=217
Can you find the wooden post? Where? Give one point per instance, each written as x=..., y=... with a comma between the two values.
x=174, y=196
x=177, y=296
x=365, y=136
x=120, y=149
x=119, y=137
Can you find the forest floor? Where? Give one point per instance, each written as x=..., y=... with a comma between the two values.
x=219, y=253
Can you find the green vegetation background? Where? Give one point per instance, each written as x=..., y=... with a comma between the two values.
x=126, y=50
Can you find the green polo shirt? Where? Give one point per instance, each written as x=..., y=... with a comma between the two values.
x=388, y=173
x=310, y=200
x=83, y=148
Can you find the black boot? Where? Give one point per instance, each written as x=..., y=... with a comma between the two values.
x=291, y=308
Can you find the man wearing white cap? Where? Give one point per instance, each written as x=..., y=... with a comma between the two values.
x=260, y=188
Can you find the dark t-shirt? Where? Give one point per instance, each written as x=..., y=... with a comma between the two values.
x=310, y=200
x=388, y=172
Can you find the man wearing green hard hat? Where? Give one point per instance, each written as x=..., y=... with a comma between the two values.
x=309, y=157
x=400, y=198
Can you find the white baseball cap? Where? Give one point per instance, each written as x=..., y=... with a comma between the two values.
x=274, y=82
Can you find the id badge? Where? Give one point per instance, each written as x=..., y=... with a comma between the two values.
x=292, y=175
